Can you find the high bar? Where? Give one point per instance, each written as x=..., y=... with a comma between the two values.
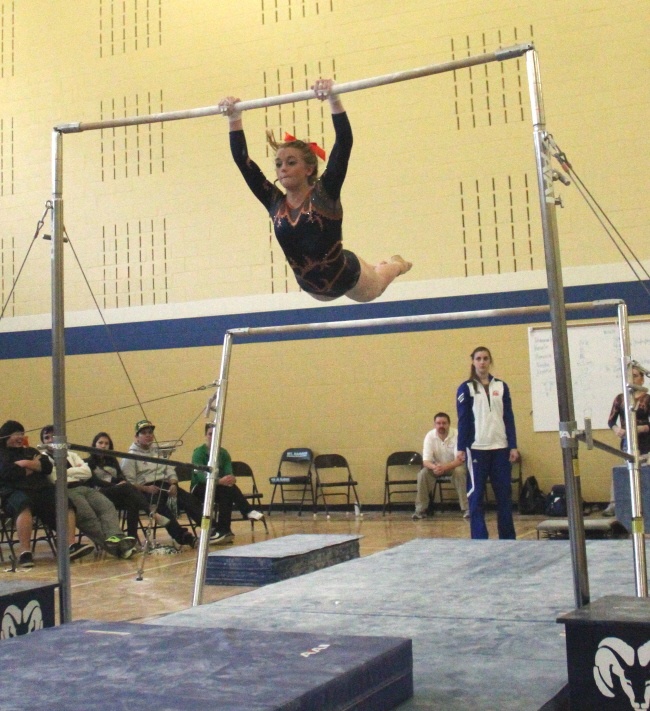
x=420, y=318
x=498, y=55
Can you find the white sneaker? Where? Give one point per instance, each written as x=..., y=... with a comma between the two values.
x=466, y=513
x=221, y=539
x=417, y=516
x=255, y=515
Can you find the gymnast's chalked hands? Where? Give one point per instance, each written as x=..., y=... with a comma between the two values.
x=228, y=103
x=322, y=88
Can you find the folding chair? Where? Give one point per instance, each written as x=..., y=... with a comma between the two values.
x=294, y=479
x=143, y=522
x=246, y=482
x=445, y=490
x=48, y=535
x=6, y=533
x=40, y=532
x=401, y=467
x=329, y=468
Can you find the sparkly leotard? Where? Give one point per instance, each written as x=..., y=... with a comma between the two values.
x=310, y=235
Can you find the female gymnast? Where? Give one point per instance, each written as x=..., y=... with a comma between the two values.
x=487, y=440
x=307, y=217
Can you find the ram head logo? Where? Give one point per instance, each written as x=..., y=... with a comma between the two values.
x=16, y=621
x=619, y=665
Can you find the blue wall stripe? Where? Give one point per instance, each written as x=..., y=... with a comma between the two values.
x=210, y=330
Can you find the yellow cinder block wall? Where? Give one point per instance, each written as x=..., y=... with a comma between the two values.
x=442, y=171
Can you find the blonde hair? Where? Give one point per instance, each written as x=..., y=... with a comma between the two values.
x=302, y=147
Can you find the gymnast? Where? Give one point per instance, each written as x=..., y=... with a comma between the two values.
x=307, y=217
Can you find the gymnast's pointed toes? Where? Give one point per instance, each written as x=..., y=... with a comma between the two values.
x=404, y=265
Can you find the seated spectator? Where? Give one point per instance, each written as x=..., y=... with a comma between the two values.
x=227, y=493
x=108, y=478
x=96, y=516
x=616, y=423
x=159, y=482
x=440, y=458
x=26, y=491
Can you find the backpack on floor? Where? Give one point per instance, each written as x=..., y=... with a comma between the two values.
x=531, y=499
x=556, y=501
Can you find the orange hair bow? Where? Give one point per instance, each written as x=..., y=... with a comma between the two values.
x=315, y=148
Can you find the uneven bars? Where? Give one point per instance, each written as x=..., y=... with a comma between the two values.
x=421, y=318
x=498, y=55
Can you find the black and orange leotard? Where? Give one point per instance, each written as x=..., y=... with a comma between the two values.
x=310, y=235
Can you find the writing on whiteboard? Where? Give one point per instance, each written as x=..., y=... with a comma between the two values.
x=596, y=374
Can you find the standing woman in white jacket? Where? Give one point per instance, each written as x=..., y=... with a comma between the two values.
x=487, y=441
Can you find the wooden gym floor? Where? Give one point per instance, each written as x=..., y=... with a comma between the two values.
x=107, y=589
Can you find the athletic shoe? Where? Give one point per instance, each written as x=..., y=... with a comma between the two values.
x=79, y=550
x=417, y=516
x=221, y=539
x=466, y=514
x=188, y=540
x=26, y=560
x=609, y=511
x=126, y=546
x=255, y=515
x=112, y=545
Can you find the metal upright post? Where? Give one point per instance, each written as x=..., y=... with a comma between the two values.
x=58, y=380
x=213, y=463
x=567, y=424
x=632, y=447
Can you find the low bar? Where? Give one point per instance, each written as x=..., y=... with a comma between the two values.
x=421, y=318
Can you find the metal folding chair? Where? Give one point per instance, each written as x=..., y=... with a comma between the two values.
x=401, y=468
x=293, y=481
x=333, y=474
x=246, y=482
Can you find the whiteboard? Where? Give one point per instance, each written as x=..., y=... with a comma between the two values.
x=595, y=357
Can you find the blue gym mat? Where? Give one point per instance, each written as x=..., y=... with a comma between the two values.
x=279, y=559
x=92, y=666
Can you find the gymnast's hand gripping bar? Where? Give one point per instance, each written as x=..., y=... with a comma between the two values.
x=498, y=55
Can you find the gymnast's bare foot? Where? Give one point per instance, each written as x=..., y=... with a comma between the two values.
x=403, y=264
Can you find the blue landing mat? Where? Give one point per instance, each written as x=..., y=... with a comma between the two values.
x=279, y=559
x=93, y=666
x=481, y=614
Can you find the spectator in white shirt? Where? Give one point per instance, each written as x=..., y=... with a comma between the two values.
x=440, y=458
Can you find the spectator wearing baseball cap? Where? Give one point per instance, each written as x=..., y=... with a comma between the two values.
x=142, y=424
x=158, y=481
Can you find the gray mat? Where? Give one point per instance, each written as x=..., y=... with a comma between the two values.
x=481, y=614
